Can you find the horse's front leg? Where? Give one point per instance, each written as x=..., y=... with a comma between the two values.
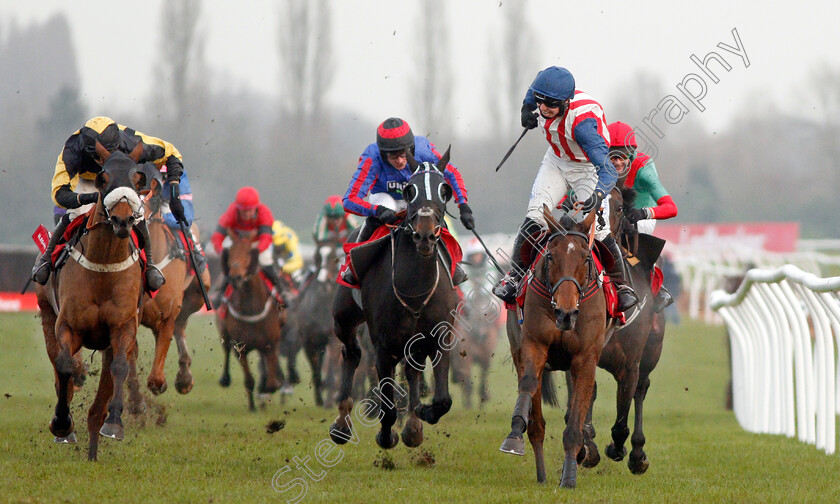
x=347, y=317
x=412, y=434
x=136, y=403
x=62, y=425
x=583, y=377
x=224, y=380
x=122, y=339
x=191, y=303
x=441, y=402
x=532, y=359
x=96, y=415
x=385, y=366
x=163, y=338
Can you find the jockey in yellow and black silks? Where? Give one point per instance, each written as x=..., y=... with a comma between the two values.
x=76, y=169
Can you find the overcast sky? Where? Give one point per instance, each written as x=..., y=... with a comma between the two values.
x=600, y=42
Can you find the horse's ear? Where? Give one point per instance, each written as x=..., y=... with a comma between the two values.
x=139, y=181
x=102, y=179
x=155, y=187
x=445, y=192
x=412, y=163
x=444, y=160
x=102, y=152
x=136, y=152
x=409, y=193
x=553, y=225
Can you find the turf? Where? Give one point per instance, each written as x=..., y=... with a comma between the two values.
x=206, y=446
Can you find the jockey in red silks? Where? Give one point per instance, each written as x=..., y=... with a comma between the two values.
x=652, y=201
x=247, y=214
x=574, y=125
x=382, y=174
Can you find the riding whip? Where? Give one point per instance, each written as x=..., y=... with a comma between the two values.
x=511, y=150
x=190, y=249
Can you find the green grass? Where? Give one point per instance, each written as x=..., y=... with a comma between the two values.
x=211, y=449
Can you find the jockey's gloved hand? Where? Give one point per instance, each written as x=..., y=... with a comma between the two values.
x=529, y=120
x=87, y=198
x=593, y=202
x=175, y=205
x=467, y=218
x=386, y=215
x=634, y=215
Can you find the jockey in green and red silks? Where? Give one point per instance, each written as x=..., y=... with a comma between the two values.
x=651, y=201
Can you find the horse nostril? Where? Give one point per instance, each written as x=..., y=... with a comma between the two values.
x=417, y=237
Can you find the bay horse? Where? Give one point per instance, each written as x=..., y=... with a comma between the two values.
x=632, y=352
x=93, y=301
x=166, y=314
x=565, y=327
x=251, y=319
x=408, y=301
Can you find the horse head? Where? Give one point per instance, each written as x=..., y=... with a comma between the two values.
x=426, y=195
x=153, y=190
x=118, y=184
x=620, y=199
x=567, y=267
x=241, y=258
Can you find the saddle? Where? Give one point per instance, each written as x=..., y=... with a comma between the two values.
x=361, y=256
x=644, y=250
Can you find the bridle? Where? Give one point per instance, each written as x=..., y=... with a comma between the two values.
x=590, y=267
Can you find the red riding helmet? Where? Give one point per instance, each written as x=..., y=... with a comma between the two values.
x=621, y=135
x=247, y=198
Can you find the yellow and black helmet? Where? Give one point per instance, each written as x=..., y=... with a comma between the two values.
x=101, y=129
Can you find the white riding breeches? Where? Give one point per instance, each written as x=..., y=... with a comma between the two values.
x=387, y=201
x=266, y=257
x=554, y=179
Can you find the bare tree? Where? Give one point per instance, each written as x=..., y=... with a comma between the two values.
x=305, y=45
x=181, y=46
x=433, y=85
x=514, y=68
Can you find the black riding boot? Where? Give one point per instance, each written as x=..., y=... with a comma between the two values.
x=626, y=296
x=505, y=289
x=274, y=278
x=371, y=224
x=198, y=255
x=41, y=270
x=662, y=300
x=154, y=278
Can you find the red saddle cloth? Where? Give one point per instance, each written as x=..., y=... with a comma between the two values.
x=449, y=241
x=535, y=285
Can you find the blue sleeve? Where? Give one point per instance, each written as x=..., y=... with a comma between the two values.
x=189, y=212
x=593, y=144
x=529, y=99
x=360, y=184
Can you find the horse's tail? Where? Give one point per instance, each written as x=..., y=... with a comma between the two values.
x=549, y=390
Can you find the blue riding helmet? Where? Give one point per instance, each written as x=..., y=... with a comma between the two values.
x=554, y=82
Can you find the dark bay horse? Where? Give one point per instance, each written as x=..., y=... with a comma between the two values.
x=408, y=302
x=632, y=353
x=251, y=320
x=93, y=301
x=565, y=327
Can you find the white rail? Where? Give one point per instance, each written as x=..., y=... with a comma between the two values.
x=784, y=327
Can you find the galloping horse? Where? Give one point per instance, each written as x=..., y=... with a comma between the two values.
x=93, y=301
x=408, y=302
x=166, y=314
x=565, y=327
x=632, y=353
x=251, y=320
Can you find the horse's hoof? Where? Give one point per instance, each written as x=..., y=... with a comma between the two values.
x=412, y=435
x=113, y=431
x=638, y=465
x=338, y=435
x=156, y=388
x=184, y=385
x=137, y=407
x=513, y=445
x=69, y=439
x=592, y=456
x=59, y=429
x=391, y=442
x=615, y=454
x=224, y=381
x=569, y=478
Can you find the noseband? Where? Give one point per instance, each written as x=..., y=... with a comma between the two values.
x=425, y=211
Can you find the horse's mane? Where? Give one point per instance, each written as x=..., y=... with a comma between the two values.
x=628, y=196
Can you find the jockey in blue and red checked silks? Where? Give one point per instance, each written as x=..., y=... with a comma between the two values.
x=382, y=174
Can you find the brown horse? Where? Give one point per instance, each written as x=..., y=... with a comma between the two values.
x=166, y=314
x=92, y=301
x=252, y=319
x=565, y=327
x=631, y=354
